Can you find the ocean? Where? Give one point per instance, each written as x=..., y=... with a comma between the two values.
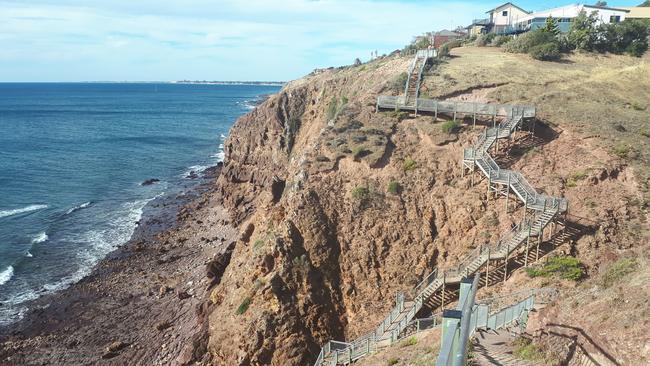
x=72, y=160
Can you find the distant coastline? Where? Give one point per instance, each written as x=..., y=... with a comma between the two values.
x=264, y=83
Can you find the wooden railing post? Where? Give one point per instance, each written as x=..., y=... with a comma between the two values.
x=487, y=268
x=442, y=295
x=505, y=265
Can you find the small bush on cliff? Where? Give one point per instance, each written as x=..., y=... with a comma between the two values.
x=568, y=268
x=258, y=244
x=445, y=48
x=359, y=152
x=399, y=115
x=399, y=83
x=573, y=179
x=392, y=362
x=527, y=350
x=243, y=307
x=393, y=187
x=360, y=193
x=335, y=108
x=409, y=164
x=450, y=127
x=618, y=270
x=411, y=341
x=301, y=263
x=621, y=150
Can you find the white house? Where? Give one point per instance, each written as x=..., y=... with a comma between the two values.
x=503, y=17
x=565, y=15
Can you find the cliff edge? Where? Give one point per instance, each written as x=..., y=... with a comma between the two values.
x=340, y=207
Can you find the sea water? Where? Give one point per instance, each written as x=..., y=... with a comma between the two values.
x=72, y=160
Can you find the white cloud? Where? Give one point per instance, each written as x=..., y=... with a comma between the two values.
x=255, y=39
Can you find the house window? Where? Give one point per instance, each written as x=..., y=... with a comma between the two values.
x=614, y=18
x=504, y=13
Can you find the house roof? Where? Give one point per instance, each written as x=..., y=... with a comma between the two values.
x=480, y=22
x=605, y=8
x=506, y=4
x=447, y=33
x=638, y=12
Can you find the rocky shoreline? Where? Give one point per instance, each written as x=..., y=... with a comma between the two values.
x=145, y=302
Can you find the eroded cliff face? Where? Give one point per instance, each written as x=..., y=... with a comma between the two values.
x=340, y=208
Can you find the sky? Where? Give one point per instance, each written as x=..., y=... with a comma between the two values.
x=268, y=40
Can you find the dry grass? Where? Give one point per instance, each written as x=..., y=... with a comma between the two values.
x=594, y=95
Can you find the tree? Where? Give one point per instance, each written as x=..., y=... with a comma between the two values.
x=629, y=37
x=551, y=26
x=582, y=33
x=601, y=3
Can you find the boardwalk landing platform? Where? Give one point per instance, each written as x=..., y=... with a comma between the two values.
x=453, y=108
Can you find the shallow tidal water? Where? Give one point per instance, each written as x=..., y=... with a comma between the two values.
x=72, y=160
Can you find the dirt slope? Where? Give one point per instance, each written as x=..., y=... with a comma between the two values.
x=326, y=241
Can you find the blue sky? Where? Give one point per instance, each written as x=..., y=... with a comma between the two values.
x=117, y=40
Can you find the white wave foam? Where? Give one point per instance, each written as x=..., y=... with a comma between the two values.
x=40, y=237
x=98, y=243
x=28, y=254
x=77, y=208
x=223, y=137
x=6, y=275
x=22, y=210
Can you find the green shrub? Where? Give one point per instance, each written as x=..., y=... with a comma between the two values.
x=301, y=262
x=360, y=193
x=618, y=270
x=499, y=41
x=573, y=179
x=525, y=349
x=539, y=44
x=410, y=341
x=443, y=51
x=399, y=83
x=568, y=268
x=359, y=152
x=621, y=150
x=243, y=307
x=335, y=108
x=399, y=115
x=484, y=39
x=546, y=52
x=393, y=187
x=630, y=36
x=450, y=127
x=409, y=164
x=258, y=244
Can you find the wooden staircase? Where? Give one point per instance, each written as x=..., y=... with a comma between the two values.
x=491, y=262
x=412, y=88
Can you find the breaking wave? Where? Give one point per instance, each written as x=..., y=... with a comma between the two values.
x=80, y=207
x=40, y=237
x=18, y=211
x=6, y=275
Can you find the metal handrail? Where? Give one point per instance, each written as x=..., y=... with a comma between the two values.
x=428, y=280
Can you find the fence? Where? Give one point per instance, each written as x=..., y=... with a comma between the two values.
x=460, y=324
